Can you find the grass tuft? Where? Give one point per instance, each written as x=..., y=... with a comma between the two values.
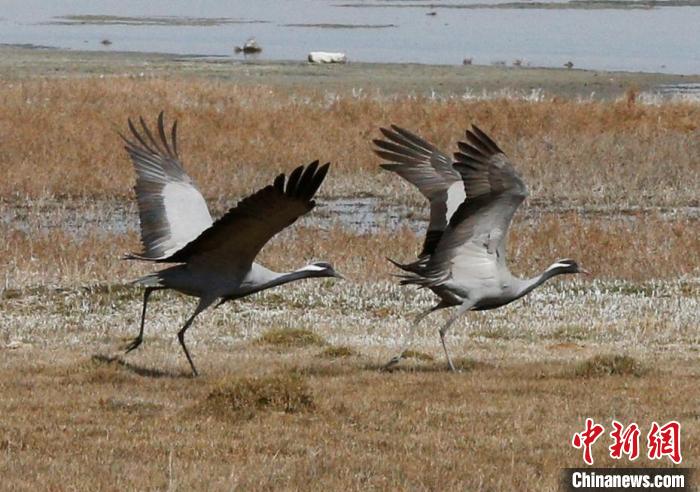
x=610, y=365
x=337, y=352
x=464, y=364
x=291, y=338
x=100, y=370
x=325, y=370
x=244, y=397
x=414, y=354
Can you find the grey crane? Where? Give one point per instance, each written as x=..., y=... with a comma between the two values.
x=215, y=260
x=472, y=200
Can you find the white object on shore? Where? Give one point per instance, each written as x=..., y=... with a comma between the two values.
x=327, y=57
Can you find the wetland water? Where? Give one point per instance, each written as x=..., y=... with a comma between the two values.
x=595, y=34
x=360, y=215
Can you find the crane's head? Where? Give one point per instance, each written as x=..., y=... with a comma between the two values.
x=321, y=269
x=560, y=267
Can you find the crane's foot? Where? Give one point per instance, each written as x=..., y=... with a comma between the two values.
x=450, y=365
x=135, y=343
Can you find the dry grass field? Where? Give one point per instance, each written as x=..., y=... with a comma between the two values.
x=291, y=395
x=58, y=139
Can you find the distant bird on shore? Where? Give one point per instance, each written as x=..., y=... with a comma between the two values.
x=569, y=64
x=472, y=201
x=215, y=260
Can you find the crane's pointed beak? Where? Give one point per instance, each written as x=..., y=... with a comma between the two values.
x=337, y=275
x=585, y=272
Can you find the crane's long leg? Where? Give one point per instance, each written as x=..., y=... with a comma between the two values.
x=139, y=339
x=460, y=311
x=203, y=304
x=409, y=338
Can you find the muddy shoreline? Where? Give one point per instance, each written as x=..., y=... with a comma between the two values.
x=367, y=79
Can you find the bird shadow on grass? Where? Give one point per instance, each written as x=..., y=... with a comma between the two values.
x=147, y=372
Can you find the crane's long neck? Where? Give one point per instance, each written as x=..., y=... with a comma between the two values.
x=260, y=278
x=530, y=284
x=274, y=278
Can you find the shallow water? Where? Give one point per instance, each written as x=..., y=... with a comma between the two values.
x=367, y=215
x=659, y=39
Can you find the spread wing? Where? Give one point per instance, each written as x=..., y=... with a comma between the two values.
x=473, y=244
x=171, y=208
x=431, y=171
x=236, y=238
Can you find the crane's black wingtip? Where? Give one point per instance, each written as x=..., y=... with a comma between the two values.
x=278, y=183
x=143, y=122
x=377, y=151
x=480, y=138
x=295, y=178
x=126, y=140
x=310, y=169
x=323, y=170
x=390, y=132
x=132, y=127
x=314, y=182
x=404, y=133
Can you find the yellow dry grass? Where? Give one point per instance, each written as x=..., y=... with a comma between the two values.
x=261, y=425
x=279, y=409
x=59, y=139
x=236, y=397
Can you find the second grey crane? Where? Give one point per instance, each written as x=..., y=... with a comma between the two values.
x=472, y=201
x=215, y=260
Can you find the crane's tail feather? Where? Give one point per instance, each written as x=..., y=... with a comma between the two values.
x=415, y=267
x=140, y=257
x=133, y=256
x=414, y=273
x=150, y=280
